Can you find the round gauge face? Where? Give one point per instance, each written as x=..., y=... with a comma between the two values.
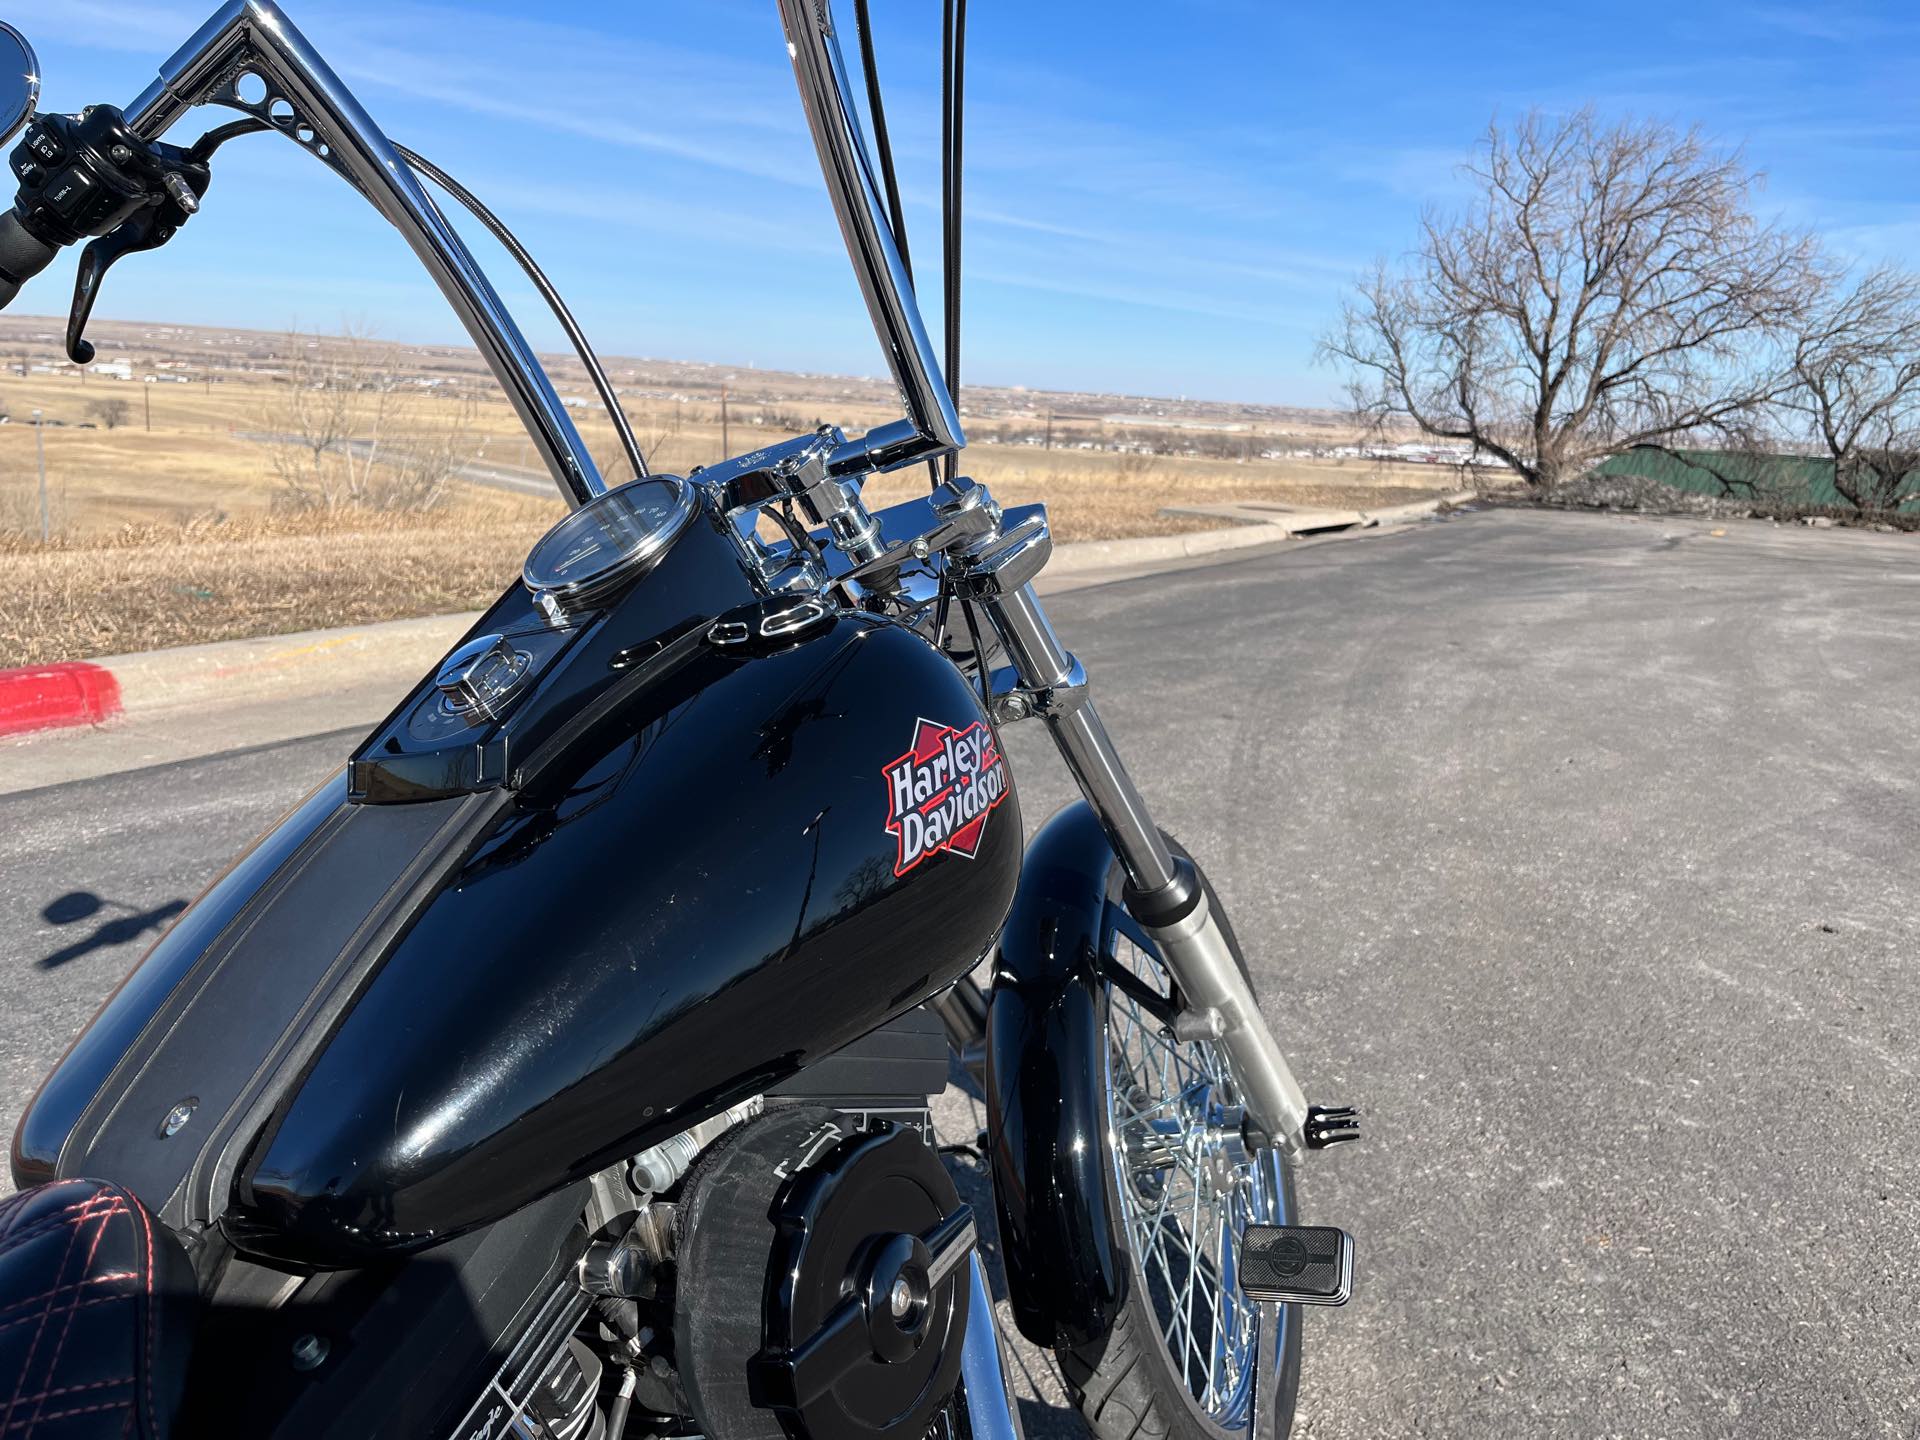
x=612, y=539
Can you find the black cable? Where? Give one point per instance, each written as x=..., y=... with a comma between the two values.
x=979, y=654
x=953, y=103
x=890, y=184
x=870, y=63
x=203, y=148
x=497, y=228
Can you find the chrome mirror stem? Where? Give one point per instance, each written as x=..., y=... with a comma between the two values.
x=931, y=427
x=253, y=36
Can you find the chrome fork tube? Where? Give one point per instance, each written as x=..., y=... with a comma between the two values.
x=1220, y=1004
x=1039, y=660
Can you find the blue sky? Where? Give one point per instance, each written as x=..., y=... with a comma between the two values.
x=1164, y=198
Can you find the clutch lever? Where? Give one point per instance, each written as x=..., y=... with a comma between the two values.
x=146, y=229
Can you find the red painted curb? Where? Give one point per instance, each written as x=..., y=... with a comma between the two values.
x=40, y=697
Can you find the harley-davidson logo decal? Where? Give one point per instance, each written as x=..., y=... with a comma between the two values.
x=940, y=793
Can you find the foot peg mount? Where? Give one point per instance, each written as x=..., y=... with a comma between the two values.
x=1297, y=1264
x=1330, y=1125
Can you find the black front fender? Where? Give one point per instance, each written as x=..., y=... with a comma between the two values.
x=1046, y=1091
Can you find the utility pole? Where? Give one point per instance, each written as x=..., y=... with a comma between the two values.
x=147, y=394
x=726, y=444
x=1049, y=429
x=40, y=445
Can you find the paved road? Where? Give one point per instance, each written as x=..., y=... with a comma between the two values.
x=1579, y=852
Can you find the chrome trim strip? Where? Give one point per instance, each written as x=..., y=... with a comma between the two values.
x=254, y=35
x=951, y=1243
x=990, y=1411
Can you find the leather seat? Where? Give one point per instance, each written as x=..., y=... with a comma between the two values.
x=97, y=1306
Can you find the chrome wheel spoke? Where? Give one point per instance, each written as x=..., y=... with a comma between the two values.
x=1188, y=1189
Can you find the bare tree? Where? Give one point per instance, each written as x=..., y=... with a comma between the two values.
x=345, y=433
x=1608, y=287
x=1856, y=387
x=653, y=434
x=111, y=414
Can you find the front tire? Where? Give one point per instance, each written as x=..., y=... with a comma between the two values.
x=1188, y=1350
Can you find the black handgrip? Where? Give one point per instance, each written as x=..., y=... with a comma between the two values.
x=23, y=255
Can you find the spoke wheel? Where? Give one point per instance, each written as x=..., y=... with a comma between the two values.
x=1190, y=1349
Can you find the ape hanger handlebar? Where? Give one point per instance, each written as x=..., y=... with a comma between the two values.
x=250, y=57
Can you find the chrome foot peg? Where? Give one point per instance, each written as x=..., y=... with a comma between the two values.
x=1330, y=1125
x=1297, y=1264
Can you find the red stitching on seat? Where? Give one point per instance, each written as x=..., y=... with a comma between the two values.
x=68, y=1414
x=76, y=1389
x=152, y=1418
x=100, y=1224
x=26, y=1367
x=47, y=1225
x=96, y=1300
x=109, y=1279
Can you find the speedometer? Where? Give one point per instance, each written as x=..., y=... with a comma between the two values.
x=608, y=542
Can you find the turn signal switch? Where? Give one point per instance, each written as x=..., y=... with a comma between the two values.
x=1330, y=1125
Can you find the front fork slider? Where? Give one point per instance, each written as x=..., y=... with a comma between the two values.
x=997, y=572
x=1220, y=1006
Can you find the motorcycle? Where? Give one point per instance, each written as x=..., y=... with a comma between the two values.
x=562, y=1065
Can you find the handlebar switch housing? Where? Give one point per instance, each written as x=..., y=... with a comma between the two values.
x=82, y=175
x=91, y=175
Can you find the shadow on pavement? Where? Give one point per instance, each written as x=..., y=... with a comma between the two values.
x=78, y=905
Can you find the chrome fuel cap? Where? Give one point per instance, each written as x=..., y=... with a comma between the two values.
x=482, y=677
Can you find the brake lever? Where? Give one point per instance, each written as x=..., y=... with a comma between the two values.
x=146, y=229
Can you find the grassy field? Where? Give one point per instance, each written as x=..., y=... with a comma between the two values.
x=173, y=535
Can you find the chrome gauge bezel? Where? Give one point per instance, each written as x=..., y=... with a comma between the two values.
x=622, y=566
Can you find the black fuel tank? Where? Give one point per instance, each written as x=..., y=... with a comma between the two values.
x=754, y=860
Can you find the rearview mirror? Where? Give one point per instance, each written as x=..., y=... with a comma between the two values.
x=19, y=81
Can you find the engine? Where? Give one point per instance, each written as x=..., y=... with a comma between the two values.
x=792, y=1269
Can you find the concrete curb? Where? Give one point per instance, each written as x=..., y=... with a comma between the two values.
x=277, y=665
x=315, y=662
x=1256, y=527
x=48, y=697
x=1294, y=522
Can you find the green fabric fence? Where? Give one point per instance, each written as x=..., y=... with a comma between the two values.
x=1789, y=479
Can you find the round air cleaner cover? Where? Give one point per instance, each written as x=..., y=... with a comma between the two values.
x=805, y=1308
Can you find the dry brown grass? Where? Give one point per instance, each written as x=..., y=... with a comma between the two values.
x=146, y=586
x=170, y=536
x=153, y=586
x=1096, y=495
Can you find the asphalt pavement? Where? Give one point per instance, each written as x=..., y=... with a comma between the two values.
x=1578, y=852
